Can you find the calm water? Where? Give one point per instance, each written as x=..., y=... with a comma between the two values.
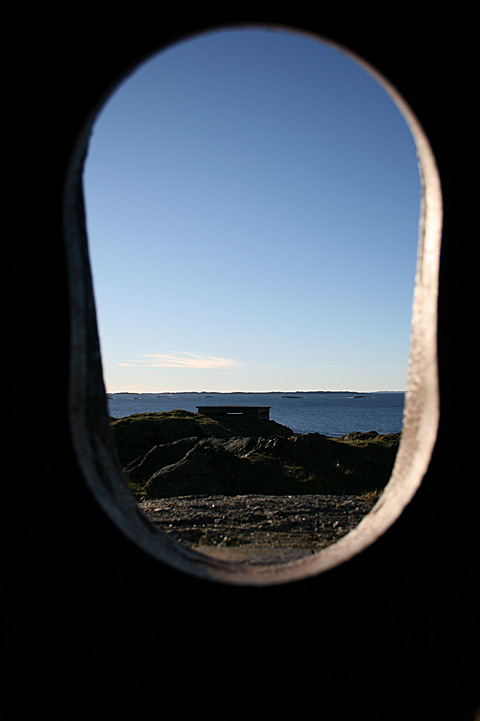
x=333, y=414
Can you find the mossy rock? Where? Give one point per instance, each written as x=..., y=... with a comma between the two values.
x=181, y=453
x=135, y=435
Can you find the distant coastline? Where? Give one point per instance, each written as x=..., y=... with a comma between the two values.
x=228, y=393
x=333, y=413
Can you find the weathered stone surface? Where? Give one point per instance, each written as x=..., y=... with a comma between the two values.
x=309, y=463
x=158, y=457
x=180, y=453
x=135, y=435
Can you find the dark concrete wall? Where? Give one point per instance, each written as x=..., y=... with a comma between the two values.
x=261, y=412
x=103, y=631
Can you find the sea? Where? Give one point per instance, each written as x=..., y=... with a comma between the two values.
x=327, y=412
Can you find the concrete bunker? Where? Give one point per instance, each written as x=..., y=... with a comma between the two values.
x=261, y=413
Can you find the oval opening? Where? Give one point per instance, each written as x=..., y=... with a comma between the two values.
x=225, y=293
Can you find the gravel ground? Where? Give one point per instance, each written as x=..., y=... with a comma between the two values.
x=230, y=526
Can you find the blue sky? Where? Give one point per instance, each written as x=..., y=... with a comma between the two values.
x=252, y=203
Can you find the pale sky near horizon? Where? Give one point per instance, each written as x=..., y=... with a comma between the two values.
x=252, y=202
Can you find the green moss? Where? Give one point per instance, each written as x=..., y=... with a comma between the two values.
x=371, y=438
x=138, y=489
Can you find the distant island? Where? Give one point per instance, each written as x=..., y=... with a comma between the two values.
x=228, y=393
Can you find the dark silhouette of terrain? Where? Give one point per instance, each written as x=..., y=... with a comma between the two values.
x=179, y=453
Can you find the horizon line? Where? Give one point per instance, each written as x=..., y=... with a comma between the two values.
x=254, y=392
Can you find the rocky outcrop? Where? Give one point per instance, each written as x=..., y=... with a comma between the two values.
x=213, y=466
x=135, y=435
x=165, y=454
x=309, y=463
x=237, y=456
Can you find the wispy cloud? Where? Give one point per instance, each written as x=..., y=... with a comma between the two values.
x=180, y=360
